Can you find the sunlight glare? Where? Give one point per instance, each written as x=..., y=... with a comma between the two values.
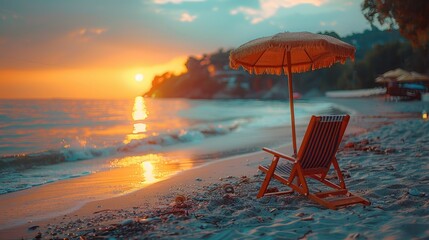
x=150, y=168
x=148, y=172
x=139, y=114
x=139, y=77
x=139, y=110
x=139, y=128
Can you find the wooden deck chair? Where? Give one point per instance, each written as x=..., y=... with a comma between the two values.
x=315, y=157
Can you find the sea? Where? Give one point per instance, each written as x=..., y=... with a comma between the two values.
x=45, y=141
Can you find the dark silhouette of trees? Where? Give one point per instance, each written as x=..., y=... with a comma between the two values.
x=376, y=52
x=410, y=16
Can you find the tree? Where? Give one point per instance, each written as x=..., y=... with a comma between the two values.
x=409, y=16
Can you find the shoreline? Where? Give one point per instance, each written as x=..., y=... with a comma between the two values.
x=65, y=197
x=192, y=181
x=150, y=193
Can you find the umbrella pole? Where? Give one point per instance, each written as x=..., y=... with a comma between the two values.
x=292, y=112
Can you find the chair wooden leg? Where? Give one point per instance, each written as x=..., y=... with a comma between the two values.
x=268, y=177
x=302, y=181
x=339, y=173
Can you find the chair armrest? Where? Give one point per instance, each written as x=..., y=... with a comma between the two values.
x=278, y=154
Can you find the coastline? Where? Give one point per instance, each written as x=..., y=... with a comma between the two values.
x=195, y=181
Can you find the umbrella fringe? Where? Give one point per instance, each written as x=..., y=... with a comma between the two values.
x=283, y=69
x=344, y=50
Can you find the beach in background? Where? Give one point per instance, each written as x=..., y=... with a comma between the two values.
x=208, y=144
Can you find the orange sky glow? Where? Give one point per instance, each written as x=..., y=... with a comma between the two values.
x=89, y=49
x=90, y=82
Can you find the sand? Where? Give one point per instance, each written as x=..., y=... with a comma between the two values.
x=384, y=157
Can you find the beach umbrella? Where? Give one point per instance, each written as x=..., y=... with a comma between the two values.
x=413, y=77
x=391, y=76
x=395, y=73
x=290, y=52
x=381, y=79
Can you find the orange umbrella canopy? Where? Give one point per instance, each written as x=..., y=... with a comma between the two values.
x=308, y=51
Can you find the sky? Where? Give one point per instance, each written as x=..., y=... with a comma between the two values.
x=95, y=48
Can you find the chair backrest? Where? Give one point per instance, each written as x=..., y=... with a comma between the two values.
x=321, y=141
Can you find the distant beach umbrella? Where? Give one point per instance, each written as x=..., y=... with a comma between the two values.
x=391, y=76
x=290, y=52
x=395, y=73
x=413, y=77
x=381, y=79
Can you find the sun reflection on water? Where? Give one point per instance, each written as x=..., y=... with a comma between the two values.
x=139, y=128
x=139, y=109
x=148, y=172
x=150, y=168
x=140, y=113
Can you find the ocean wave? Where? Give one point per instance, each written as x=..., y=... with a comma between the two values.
x=69, y=154
x=192, y=135
x=29, y=180
x=26, y=161
x=181, y=136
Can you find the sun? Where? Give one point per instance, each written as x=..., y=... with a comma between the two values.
x=139, y=77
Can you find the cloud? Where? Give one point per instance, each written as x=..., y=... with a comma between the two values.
x=333, y=23
x=269, y=8
x=186, y=17
x=175, y=1
x=8, y=15
x=86, y=34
